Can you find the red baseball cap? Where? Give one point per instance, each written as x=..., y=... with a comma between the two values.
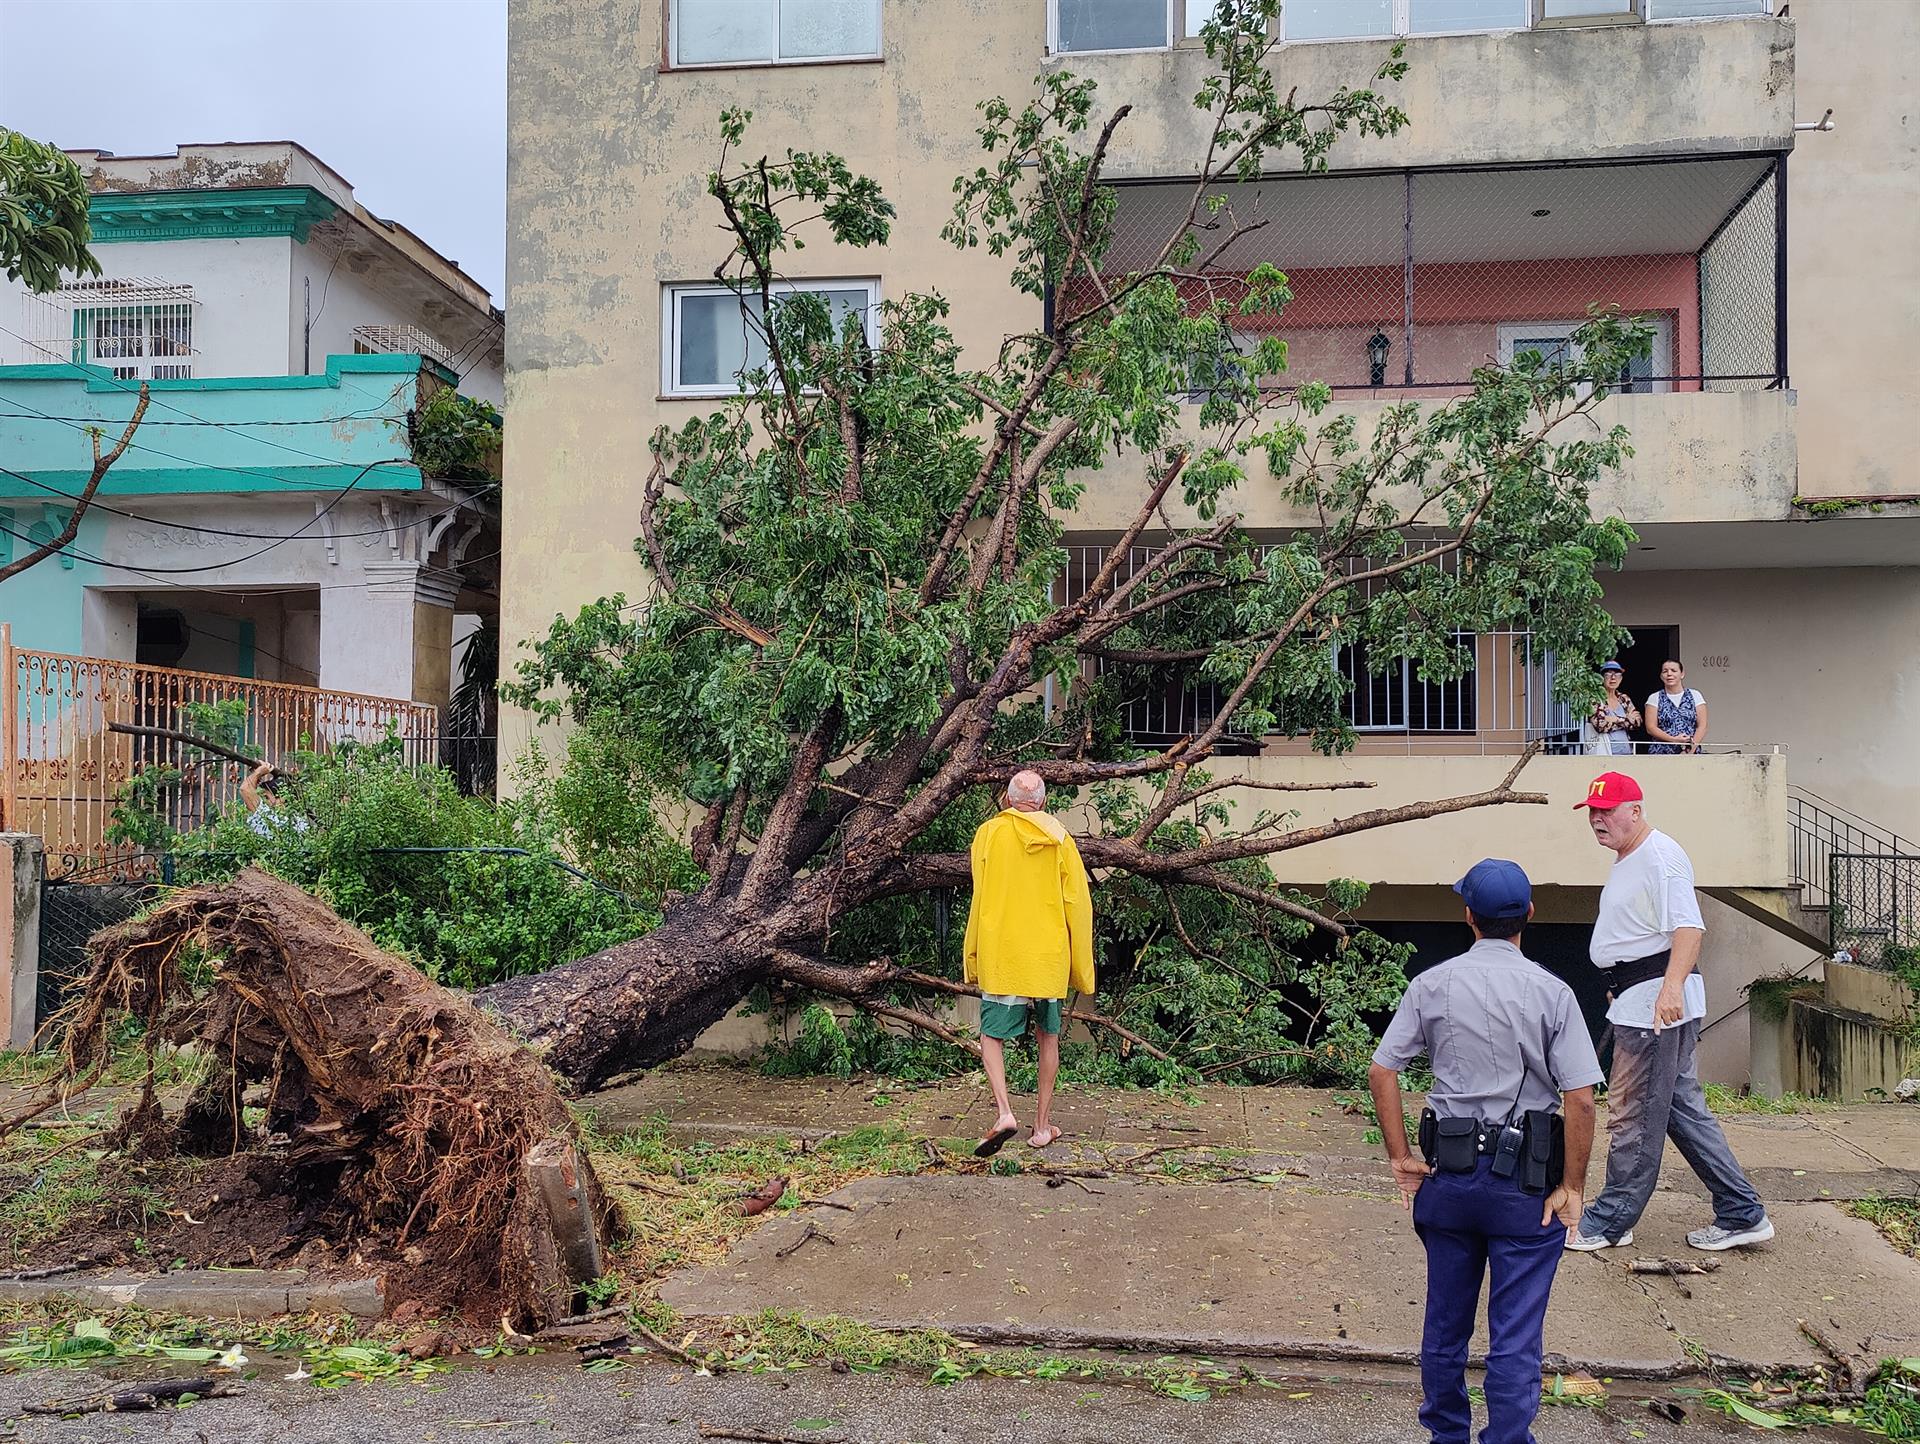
x=1609, y=790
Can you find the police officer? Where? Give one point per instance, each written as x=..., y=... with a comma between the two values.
x=1499, y=1178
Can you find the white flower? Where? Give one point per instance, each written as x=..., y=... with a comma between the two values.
x=299, y=1373
x=232, y=1359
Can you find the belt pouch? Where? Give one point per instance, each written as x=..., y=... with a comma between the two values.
x=1454, y=1149
x=1429, y=1134
x=1546, y=1151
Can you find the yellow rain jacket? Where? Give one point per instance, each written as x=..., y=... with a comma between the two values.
x=1030, y=929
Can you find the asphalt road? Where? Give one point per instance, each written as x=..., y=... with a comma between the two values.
x=551, y=1401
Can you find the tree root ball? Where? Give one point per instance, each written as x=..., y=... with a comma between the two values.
x=398, y=1116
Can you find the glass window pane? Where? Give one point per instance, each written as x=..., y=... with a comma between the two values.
x=1581, y=9
x=1336, y=19
x=813, y=29
x=713, y=339
x=115, y=336
x=713, y=32
x=1112, y=24
x=717, y=342
x=1432, y=16
x=1703, y=9
x=1197, y=14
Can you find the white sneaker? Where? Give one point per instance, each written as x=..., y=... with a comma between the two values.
x=1715, y=1238
x=1593, y=1242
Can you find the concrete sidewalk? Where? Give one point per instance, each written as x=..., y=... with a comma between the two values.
x=1321, y=1265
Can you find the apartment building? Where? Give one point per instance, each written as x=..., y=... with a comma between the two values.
x=1651, y=153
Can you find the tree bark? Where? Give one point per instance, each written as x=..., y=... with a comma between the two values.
x=638, y=1003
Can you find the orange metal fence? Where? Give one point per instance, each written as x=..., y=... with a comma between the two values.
x=64, y=770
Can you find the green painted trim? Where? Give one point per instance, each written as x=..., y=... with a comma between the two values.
x=172, y=481
x=99, y=378
x=197, y=214
x=243, y=659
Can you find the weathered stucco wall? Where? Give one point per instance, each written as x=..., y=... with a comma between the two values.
x=1853, y=219
x=1698, y=456
x=1729, y=812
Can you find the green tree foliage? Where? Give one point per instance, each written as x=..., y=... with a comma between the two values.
x=44, y=231
x=854, y=629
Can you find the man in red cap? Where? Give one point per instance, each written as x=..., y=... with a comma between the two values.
x=1646, y=943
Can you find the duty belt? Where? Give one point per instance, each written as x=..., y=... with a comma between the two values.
x=1622, y=976
x=1532, y=1151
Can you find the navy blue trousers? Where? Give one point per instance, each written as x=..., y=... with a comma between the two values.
x=1473, y=1223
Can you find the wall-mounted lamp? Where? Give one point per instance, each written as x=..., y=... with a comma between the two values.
x=1377, y=347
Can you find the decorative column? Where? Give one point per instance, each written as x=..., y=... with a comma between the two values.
x=392, y=637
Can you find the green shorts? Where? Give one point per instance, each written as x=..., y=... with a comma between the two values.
x=1005, y=1017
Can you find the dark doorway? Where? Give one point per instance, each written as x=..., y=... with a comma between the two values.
x=1651, y=647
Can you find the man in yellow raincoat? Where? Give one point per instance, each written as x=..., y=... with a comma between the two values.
x=1029, y=939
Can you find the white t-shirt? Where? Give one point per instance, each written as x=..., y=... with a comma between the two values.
x=1648, y=894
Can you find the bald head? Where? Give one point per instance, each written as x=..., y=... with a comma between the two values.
x=1026, y=791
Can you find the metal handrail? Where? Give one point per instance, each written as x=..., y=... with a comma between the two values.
x=1866, y=876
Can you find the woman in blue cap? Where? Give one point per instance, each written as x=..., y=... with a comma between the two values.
x=1607, y=732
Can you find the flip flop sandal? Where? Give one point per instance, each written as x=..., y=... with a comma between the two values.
x=1057, y=1136
x=994, y=1142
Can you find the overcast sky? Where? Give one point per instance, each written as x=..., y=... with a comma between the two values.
x=405, y=98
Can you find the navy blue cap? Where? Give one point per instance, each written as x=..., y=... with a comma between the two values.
x=1611, y=667
x=1496, y=888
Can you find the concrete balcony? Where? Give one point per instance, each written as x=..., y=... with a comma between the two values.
x=1728, y=810
x=1499, y=98
x=1699, y=456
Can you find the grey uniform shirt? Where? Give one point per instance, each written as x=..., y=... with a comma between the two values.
x=1503, y=1033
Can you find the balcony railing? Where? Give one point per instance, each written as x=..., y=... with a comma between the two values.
x=1503, y=702
x=1412, y=279
x=65, y=768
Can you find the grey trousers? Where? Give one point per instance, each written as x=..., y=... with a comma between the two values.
x=1655, y=1094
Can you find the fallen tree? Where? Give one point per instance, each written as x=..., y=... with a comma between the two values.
x=864, y=616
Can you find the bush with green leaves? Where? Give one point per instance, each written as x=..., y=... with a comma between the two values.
x=464, y=906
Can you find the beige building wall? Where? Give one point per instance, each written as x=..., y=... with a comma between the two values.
x=1853, y=218
x=1825, y=662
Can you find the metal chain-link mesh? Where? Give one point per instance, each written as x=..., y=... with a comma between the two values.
x=70, y=914
x=1414, y=279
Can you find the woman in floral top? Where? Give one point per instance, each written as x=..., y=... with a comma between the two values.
x=1676, y=714
x=1608, y=729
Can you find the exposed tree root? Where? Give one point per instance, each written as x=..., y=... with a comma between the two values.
x=397, y=1114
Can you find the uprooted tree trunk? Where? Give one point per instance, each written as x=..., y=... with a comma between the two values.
x=395, y=1100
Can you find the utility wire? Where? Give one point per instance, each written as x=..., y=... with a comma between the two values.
x=138, y=445
x=98, y=505
x=234, y=561
x=230, y=592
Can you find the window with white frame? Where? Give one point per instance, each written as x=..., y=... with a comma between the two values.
x=1369, y=19
x=710, y=334
x=1365, y=19
x=1705, y=9
x=1554, y=340
x=772, y=32
x=1079, y=26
